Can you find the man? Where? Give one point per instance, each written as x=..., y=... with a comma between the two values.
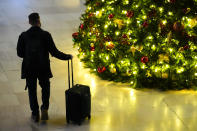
x=34, y=47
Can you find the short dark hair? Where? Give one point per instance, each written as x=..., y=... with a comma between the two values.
x=34, y=18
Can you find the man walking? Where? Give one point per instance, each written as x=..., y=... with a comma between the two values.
x=34, y=47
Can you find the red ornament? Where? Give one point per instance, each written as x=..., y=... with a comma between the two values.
x=111, y=16
x=152, y=13
x=92, y=48
x=144, y=59
x=75, y=35
x=108, y=38
x=172, y=1
x=130, y=14
x=178, y=27
x=186, y=47
x=124, y=36
x=186, y=10
x=145, y=24
x=82, y=26
x=98, y=4
x=101, y=45
x=91, y=14
x=161, y=25
x=101, y=69
x=110, y=46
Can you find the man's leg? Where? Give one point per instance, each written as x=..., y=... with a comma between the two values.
x=45, y=85
x=32, y=91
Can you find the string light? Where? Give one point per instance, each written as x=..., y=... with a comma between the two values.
x=141, y=45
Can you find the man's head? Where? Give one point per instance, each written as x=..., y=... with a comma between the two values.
x=34, y=19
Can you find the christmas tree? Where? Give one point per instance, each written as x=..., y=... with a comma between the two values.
x=148, y=43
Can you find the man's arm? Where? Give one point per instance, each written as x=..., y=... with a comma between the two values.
x=20, y=46
x=55, y=52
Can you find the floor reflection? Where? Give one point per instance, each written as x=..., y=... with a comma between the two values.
x=115, y=106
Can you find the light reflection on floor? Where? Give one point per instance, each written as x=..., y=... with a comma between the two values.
x=115, y=106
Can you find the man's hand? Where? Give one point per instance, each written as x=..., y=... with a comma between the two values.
x=70, y=56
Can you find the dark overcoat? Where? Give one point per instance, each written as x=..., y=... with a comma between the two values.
x=34, y=47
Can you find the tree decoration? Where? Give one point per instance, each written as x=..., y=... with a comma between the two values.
x=133, y=49
x=144, y=59
x=92, y=48
x=130, y=14
x=119, y=23
x=101, y=69
x=75, y=35
x=82, y=26
x=186, y=47
x=163, y=57
x=152, y=13
x=145, y=24
x=111, y=16
x=109, y=45
x=178, y=27
x=149, y=43
x=186, y=10
x=172, y=1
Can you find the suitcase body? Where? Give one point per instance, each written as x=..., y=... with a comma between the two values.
x=78, y=101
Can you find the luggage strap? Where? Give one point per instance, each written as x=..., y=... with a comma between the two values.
x=69, y=73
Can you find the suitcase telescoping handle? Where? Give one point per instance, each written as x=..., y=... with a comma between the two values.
x=69, y=73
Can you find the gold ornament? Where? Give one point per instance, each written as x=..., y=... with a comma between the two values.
x=193, y=22
x=92, y=45
x=140, y=48
x=148, y=74
x=133, y=49
x=164, y=75
x=113, y=70
x=181, y=49
x=169, y=37
x=80, y=50
x=163, y=57
x=119, y=22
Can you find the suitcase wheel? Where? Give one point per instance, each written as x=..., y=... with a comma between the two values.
x=68, y=121
x=89, y=117
x=79, y=123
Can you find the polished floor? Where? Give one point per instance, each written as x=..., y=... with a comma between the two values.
x=115, y=107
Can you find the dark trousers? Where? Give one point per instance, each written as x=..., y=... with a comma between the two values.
x=32, y=91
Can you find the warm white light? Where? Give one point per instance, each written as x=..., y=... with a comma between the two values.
x=126, y=2
x=167, y=66
x=170, y=49
x=150, y=37
x=117, y=32
x=161, y=9
x=144, y=17
x=164, y=22
x=170, y=13
x=89, y=8
x=153, y=47
x=124, y=12
x=135, y=72
x=107, y=57
x=97, y=13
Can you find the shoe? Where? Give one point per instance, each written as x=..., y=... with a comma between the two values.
x=35, y=118
x=44, y=115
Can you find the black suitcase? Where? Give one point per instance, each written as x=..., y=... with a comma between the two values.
x=78, y=100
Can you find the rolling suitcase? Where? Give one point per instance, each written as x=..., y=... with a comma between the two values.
x=78, y=100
